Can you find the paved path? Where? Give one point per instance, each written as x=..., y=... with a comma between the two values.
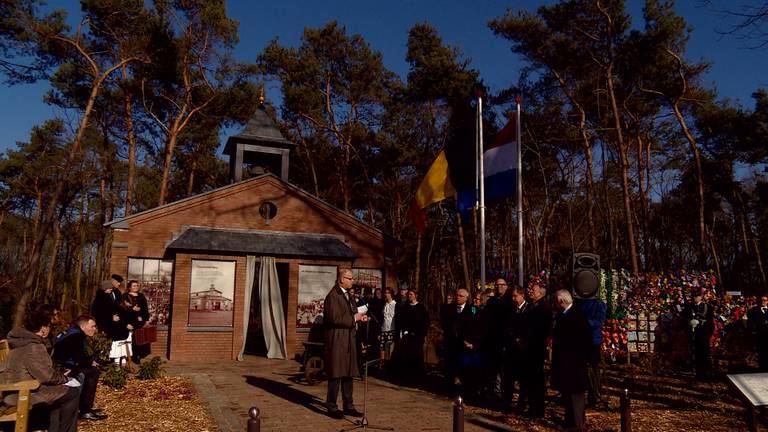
x=288, y=403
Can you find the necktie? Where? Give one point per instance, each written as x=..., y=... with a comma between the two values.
x=458, y=309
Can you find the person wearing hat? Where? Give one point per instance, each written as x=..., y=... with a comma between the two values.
x=700, y=318
x=106, y=306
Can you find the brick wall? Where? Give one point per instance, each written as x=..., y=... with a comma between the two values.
x=236, y=207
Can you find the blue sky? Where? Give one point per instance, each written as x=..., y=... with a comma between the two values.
x=736, y=71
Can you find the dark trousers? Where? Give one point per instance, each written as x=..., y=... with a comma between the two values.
x=63, y=413
x=533, y=375
x=333, y=393
x=88, y=393
x=452, y=365
x=594, y=358
x=702, y=356
x=574, y=410
x=511, y=375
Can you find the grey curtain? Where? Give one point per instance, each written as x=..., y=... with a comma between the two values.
x=272, y=316
x=250, y=279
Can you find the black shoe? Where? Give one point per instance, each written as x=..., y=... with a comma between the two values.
x=335, y=414
x=92, y=416
x=353, y=412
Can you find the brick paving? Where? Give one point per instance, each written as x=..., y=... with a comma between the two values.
x=288, y=403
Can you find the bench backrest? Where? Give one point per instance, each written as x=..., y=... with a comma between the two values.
x=20, y=412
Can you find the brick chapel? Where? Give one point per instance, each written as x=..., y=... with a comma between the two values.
x=243, y=269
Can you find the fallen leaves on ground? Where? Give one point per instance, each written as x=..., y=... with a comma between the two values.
x=659, y=403
x=168, y=404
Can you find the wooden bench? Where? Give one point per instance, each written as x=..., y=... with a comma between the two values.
x=4, y=350
x=20, y=412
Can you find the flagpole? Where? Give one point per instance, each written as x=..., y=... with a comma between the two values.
x=481, y=179
x=520, y=268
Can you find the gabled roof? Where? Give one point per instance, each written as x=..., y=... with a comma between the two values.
x=259, y=242
x=259, y=129
x=125, y=222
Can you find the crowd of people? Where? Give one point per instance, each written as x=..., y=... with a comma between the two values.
x=67, y=370
x=495, y=348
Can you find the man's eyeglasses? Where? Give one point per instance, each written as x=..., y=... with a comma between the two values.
x=348, y=277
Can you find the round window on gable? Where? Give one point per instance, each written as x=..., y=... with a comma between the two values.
x=268, y=211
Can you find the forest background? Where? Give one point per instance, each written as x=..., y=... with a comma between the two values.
x=627, y=152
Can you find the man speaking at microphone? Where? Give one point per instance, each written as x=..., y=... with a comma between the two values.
x=339, y=317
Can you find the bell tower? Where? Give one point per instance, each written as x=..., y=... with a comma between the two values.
x=258, y=149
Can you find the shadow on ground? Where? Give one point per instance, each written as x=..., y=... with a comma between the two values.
x=288, y=393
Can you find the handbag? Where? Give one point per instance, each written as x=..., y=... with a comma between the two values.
x=145, y=335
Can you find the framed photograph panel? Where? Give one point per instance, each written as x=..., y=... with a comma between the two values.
x=212, y=293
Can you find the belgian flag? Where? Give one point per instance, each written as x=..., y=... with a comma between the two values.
x=454, y=168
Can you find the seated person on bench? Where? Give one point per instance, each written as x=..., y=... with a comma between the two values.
x=55, y=401
x=69, y=352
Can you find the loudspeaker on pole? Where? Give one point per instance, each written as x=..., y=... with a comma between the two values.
x=586, y=275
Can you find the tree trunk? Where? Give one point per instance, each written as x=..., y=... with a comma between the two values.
x=760, y=263
x=170, y=145
x=463, y=251
x=191, y=178
x=131, y=149
x=699, y=180
x=418, y=262
x=645, y=235
x=52, y=265
x=622, y=147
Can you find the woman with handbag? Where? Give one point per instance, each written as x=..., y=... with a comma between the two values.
x=137, y=314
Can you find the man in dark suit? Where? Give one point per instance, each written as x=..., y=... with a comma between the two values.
x=571, y=341
x=514, y=332
x=538, y=325
x=457, y=327
x=757, y=319
x=339, y=317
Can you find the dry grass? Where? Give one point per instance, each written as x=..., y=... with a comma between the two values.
x=168, y=404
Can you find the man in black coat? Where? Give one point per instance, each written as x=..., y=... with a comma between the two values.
x=513, y=337
x=757, y=319
x=498, y=308
x=70, y=352
x=457, y=327
x=538, y=325
x=571, y=341
x=106, y=308
x=339, y=318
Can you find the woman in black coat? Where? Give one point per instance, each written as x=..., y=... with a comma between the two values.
x=135, y=311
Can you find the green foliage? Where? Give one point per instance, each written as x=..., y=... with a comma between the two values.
x=150, y=369
x=115, y=376
x=98, y=347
